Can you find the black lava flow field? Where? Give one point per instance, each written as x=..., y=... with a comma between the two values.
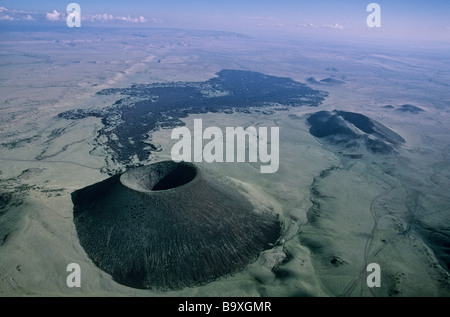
x=147, y=107
x=170, y=225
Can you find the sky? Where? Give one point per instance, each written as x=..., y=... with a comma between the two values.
x=413, y=19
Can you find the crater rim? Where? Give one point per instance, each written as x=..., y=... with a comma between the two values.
x=160, y=177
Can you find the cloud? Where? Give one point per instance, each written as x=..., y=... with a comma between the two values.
x=105, y=17
x=17, y=15
x=309, y=25
x=128, y=19
x=21, y=15
x=53, y=16
x=101, y=17
x=6, y=18
x=334, y=26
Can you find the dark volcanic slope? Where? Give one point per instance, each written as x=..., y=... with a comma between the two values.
x=329, y=124
x=410, y=108
x=326, y=81
x=170, y=225
x=352, y=129
x=332, y=81
x=148, y=107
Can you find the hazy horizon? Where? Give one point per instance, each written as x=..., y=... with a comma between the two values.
x=402, y=20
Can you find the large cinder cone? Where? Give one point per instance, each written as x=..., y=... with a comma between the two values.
x=170, y=225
